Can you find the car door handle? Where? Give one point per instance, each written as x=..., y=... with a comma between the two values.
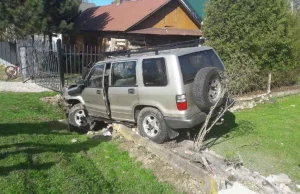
x=98, y=91
x=131, y=91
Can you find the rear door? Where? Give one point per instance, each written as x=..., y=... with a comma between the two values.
x=123, y=93
x=93, y=93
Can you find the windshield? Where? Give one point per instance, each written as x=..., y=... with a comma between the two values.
x=190, y=64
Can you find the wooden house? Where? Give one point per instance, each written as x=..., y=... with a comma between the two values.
x=130, y=24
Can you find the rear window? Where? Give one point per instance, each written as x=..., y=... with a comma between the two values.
x=190, y=64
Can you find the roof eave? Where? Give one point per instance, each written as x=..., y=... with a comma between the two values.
x=143, y=19
x=189, y=12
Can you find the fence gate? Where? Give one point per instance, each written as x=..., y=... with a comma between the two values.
x=40, y=61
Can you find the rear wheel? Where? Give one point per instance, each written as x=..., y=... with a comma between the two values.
x=152, y=125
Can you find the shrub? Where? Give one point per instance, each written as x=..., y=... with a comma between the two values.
x=242, y=73
x=259, y=29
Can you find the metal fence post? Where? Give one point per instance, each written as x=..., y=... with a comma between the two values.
x=60, y=64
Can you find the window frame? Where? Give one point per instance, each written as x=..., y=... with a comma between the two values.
x=92, y=71
x=167, y=77
x=112, y=73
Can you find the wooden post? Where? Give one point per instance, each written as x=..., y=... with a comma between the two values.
x=269, y=82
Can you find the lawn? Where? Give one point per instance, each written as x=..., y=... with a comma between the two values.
x=37, y=155
x=2, y=73
x=266, y=138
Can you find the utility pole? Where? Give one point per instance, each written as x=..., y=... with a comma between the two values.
x=292, y=5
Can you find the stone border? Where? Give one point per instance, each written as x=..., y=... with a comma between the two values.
x=177, y=162
x=252, y=101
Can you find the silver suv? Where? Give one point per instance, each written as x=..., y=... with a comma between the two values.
x=160, y=92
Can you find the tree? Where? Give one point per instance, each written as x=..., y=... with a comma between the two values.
x=259, y=29
x=23, y=18
x=29, y=17
x=59, y=16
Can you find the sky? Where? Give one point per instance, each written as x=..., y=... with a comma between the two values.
x=101, y=2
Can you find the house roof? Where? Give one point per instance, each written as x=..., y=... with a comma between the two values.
x=197, y=7
x=167, y=31
x=118, y=17
x=84, y=6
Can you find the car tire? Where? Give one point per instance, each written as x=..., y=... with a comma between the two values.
x=203, y=93
x=156, y=130
x=75, y=113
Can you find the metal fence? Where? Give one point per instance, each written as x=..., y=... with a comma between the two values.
x=8, y=53
x=53, y=65
x=75, y=58
x=39, y=61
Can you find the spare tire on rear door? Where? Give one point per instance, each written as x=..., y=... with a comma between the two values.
x=207, y=88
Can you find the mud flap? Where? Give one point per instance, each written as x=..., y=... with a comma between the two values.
x=172, y=133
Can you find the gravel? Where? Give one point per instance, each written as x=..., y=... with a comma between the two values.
x=21, y=87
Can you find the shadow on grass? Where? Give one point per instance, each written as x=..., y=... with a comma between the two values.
x=51, y=127
x=228, y=130
x=221, y=133
x=36, y=146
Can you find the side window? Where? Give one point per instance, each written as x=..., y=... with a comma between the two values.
x=124, y=74
x=154, y=72
x=96, y=77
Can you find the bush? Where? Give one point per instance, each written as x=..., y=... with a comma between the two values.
x=282, y=78
x=242, y=73
x=259, y=29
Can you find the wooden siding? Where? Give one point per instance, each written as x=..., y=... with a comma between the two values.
x=172, y=16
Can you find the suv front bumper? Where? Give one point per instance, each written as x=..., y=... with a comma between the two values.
x=185, y=123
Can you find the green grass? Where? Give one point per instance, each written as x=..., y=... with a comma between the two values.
x=2, y=73
x=267, y=137
x=37, y=156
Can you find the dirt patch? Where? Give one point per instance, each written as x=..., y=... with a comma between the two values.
x=56, y=100
x=164, y=172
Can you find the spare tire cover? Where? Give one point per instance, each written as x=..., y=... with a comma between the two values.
x=207, y=88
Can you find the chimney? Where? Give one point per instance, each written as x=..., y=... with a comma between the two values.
x=119, y=2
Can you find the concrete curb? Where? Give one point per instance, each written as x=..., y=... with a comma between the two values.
x=272, y=94
x=180, y=164
x=252, y=101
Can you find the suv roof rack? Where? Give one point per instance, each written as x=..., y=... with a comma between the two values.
x=155, y=49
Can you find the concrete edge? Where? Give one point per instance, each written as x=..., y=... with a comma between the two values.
x=180, y=164
x=251, y=102
x=272, y=94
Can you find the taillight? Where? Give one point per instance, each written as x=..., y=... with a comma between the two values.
x=181, y=102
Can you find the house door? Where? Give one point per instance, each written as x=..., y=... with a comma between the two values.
x=123, y=93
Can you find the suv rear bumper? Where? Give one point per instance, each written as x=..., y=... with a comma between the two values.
x=185, y=123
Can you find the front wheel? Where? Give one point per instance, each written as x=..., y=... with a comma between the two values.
x=152, y=125
x=78, y=119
